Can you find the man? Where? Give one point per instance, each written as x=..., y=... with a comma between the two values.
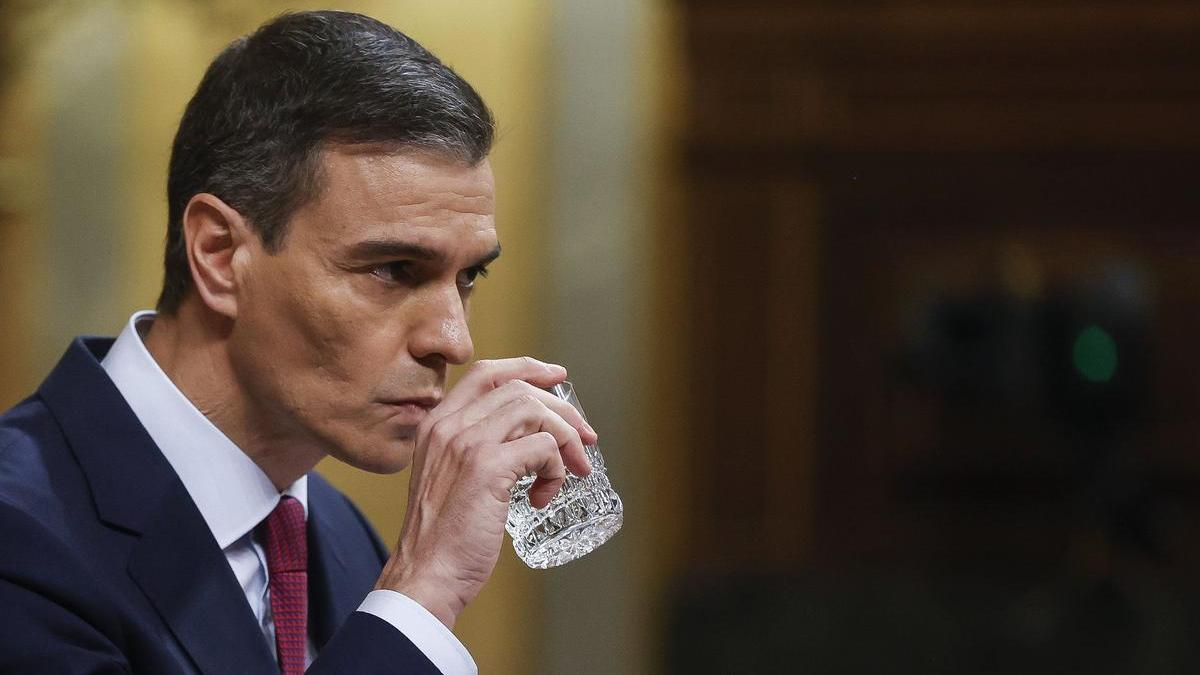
x=330, y=211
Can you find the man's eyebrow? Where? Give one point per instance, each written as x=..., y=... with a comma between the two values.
x=373, y=249
x=488, y=257
x=376, y=249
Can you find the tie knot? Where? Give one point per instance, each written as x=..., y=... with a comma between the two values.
x=286, y=537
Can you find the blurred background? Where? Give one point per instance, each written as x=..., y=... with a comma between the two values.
x=887, y=312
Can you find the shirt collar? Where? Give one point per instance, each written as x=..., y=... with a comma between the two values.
x=231, y=491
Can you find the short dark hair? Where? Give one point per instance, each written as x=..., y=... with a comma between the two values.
x=253, y=131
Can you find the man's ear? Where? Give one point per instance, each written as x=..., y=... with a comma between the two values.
x=214, y=233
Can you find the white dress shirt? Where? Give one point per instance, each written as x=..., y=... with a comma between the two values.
x=234, y=496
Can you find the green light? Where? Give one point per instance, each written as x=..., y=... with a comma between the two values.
x=1095, y=354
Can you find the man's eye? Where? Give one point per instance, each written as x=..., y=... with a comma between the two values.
x=466, y=278
x=394, y=272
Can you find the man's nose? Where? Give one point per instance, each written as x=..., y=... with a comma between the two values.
x=442, y=330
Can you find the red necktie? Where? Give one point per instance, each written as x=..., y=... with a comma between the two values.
x=287, y=567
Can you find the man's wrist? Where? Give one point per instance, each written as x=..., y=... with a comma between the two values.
x=433, y=596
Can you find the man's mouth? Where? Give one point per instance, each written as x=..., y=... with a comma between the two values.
x=412, y=410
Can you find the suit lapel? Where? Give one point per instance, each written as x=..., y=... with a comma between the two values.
x=185, y=576
x=175, y=562
x=344, y=562
x=328, y=592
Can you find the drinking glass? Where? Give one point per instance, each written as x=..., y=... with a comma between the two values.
x=584, y=514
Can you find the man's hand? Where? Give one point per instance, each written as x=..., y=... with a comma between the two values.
x=494, y=428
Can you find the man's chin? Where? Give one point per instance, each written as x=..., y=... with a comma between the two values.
x=385, y=458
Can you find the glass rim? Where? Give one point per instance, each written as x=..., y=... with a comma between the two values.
x=563, y=389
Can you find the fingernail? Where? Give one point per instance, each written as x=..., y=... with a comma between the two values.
x=557, y=369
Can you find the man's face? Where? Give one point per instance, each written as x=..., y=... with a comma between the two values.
x=343, y=337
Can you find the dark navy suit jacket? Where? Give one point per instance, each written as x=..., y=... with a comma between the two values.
x=107, y=566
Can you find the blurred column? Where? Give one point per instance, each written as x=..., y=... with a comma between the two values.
x=78, y=260
x=599, y=242
x=20, y=182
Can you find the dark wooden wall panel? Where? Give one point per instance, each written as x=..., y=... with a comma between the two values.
x=848, y=162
